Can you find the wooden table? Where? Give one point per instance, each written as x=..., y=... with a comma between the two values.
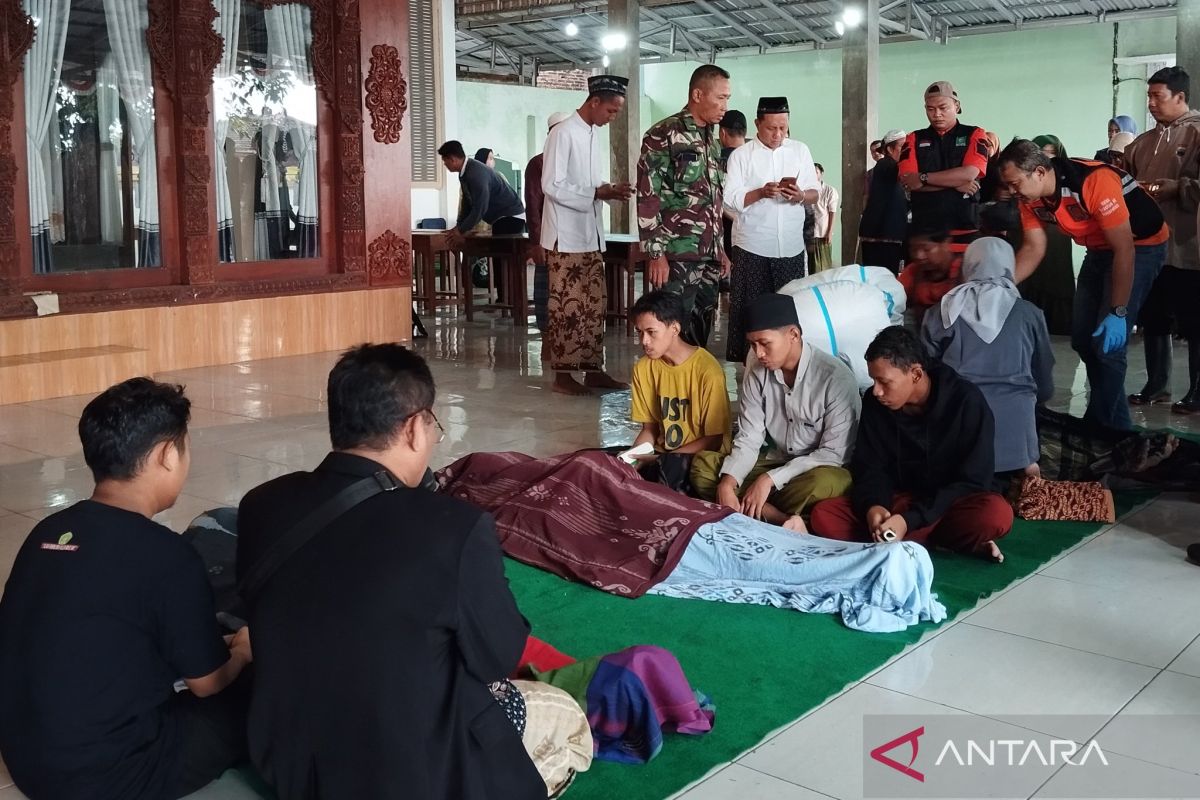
x=429, y=246
x=622, y=257
x=508, y=255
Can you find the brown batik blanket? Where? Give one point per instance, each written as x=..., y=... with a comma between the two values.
x=584, y=516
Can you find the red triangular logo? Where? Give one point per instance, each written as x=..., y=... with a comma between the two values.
x=909, y=738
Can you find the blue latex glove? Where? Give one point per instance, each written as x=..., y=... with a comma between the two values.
x=1114, y=332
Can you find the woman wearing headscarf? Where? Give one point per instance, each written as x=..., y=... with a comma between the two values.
x=1052, y=286
x=1119, y=124
x=984, y=331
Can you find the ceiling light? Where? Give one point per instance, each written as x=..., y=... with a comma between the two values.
x=572, y=29
x=614, y=41
x=852, y=16
x=605, y=61
x=839, y=27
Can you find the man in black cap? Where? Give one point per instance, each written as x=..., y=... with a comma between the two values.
x=573, y=238
x=799, y=400
x=770, y=179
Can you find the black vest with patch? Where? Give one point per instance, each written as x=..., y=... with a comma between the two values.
x=1145, y=217
x=946, y=208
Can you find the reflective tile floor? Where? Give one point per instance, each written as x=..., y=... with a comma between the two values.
x=1108, y=629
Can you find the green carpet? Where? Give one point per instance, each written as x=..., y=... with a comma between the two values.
x=763, y=667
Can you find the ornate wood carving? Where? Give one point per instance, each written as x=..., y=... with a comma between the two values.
x=17, y=32
x=387, y=93
x=389, y=259
x=186, y=50
x=348, y=91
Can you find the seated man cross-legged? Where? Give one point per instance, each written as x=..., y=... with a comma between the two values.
x=105, y=612
x=679, y=393
x=800, y=400
x=924, y=462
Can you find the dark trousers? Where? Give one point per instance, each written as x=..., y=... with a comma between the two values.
x=1108, y=404
x=753, y=275
x=213, y=734
x=883, y=254
x=508, y=225
x=1172, y=306
x=696, y=282
x=969, y=523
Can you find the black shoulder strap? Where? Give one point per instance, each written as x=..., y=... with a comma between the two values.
x=302, y=532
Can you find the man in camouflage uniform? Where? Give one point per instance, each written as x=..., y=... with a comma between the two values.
x=680, y=200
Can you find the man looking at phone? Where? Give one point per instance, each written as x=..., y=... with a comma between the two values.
x=573, y=238
x=769, y=180
x=924, y=459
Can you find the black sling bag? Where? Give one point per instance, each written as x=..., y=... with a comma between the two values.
x=302, y=532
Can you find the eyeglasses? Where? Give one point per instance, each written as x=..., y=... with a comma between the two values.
x=441, y=430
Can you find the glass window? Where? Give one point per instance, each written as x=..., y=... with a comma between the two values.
x=265, y=112
x=89, y=125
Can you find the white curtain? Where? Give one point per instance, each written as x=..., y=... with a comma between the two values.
x=268, y=214
x=289, y=39
x=108, y=108
x=43, y=63
x=127, y=21
x=228, y=24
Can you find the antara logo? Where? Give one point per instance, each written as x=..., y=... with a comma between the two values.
x=1018, y=752
x=911, y=738
x=989, y=752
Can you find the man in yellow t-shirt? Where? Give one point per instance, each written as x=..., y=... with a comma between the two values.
x=679, y=393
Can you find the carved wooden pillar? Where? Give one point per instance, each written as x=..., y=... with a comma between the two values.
x=386, y=142
x=16, y=35
x=185, y=50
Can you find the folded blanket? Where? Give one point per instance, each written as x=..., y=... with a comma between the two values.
x=584, y=516
x=632, y=698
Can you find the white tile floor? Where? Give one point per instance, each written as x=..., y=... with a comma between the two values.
x=1111, y=628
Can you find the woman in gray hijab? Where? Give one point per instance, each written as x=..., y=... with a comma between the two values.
x=989, y=335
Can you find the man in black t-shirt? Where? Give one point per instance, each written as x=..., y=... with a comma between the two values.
x=105, y=610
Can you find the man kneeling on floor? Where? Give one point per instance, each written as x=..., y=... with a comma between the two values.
x=924, y=460
x=679, y=393
x=104, y=611
x=382, y=608
x=800, y=400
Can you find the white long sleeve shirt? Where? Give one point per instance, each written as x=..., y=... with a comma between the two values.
x=571, y=214
x=772, y=227
x=811, y=423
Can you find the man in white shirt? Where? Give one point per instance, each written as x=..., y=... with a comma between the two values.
x=801, y=402
x=573, y=238
x=769, y=180
x=825, y=208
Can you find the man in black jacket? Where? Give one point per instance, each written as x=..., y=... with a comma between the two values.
x=486, y=196
x=924, y=463
x=382, y=632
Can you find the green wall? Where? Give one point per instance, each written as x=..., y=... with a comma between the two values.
x=1016, y=84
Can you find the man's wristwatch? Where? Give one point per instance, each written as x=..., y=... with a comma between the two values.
x=1119, y=311
x=924, y=178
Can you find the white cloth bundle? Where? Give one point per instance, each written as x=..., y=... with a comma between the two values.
x=879, y=277
x=841, y=318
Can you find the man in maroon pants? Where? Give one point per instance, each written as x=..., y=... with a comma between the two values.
x=924, y=463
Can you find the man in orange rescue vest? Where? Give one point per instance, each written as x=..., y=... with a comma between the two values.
x=1104, y=210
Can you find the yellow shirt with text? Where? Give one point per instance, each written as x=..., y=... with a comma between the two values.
x=687, y=401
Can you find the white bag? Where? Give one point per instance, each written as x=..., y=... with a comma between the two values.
x=879, y=277
x=841, y=318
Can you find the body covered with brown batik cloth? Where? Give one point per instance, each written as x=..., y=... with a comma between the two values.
x=584, y=516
